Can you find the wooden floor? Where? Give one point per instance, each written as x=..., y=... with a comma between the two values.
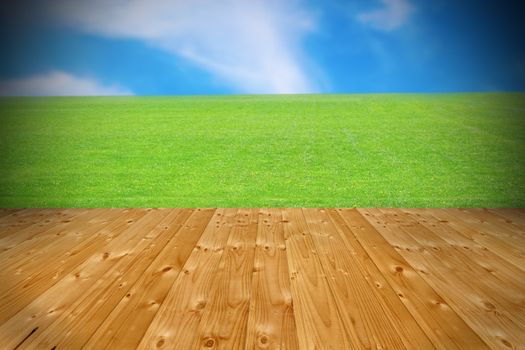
x=262, y=278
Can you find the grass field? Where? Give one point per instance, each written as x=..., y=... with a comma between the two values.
x=458, y=150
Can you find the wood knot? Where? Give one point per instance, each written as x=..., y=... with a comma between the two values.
x=209, y=342
x=506, y=343
x=105, y=256
x=200, y=305
x=399, y=269
x=166, y=269
x=263, y=339
x=489, y=306
x=160, y=343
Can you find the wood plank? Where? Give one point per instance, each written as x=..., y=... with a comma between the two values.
x=175, y=324
x=500, y=268
x=360, y=308
x=7, y=211
x=39, y=219
x=262, y=279
x=18, y=215
x=78, y=322
x=506, y=289
x=317, y=317
x=496, y=244
x=497, y=217
x=388, y=322
x=483, y=221
x=127, y=323
x=106, y=261
x=53, y=243
x=445, y=328
x=36, y=225
x=225, y=317
x=30, y=249
x=451, y=277
x=271, y=322
x=514, y=216
x=25, y=283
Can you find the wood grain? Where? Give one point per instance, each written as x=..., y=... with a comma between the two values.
x=178, y=318
x=271, y=323
x=445, y=328
x=482, y=302
x=127, y=323
x=316, y=313
x=262, y=278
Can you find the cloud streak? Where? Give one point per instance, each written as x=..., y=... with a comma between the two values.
x=393, y=15
x=58, y=83
x=253, y=46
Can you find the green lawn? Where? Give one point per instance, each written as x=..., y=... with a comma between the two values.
x=395, y=150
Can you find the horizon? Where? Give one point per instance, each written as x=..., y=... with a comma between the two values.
x=175, y=48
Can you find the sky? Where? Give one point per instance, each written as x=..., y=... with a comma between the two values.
x=174, y=47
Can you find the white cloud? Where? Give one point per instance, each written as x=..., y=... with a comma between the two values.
x=57, y=83
x=252, y=45
x=393, y=15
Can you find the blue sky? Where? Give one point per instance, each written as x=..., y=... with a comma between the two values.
x=154, y=47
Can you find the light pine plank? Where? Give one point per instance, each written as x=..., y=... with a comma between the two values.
x=501, y=269
x=7, y=211
x=127, y=323
x=57, y=241
x=38, y=218
x=279, y=279
x=271, y=323
x=360, y=308
x=515, y=216
x=78, y=322
x=451, y=277
x=498, y=217
x=319, y=324
x=32, y=249
x=498, y=245
x=382, y=307
x=176, y=322
x=70, y=290
x=460, y=263
x=224, y=319
x=23, y=216
x=33, y=225
x=445, y=328
x=484, y=221
x=27, y=281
